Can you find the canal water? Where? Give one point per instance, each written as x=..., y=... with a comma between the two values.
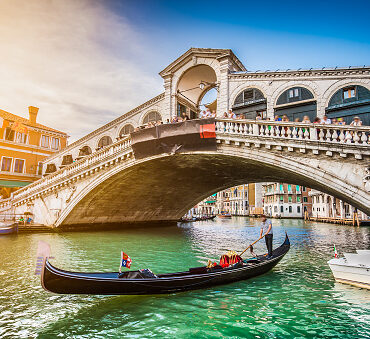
x=297, y=299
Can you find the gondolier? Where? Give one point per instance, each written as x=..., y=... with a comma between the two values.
x=266, y=230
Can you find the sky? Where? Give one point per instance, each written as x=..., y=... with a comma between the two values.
x=86, y=62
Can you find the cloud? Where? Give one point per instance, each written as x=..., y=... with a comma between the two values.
x=75, y=59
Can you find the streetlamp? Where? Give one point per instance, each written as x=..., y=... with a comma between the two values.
x=203, y=84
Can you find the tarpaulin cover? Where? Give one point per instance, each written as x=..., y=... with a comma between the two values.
x=187, y=136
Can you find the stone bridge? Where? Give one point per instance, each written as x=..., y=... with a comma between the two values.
x=112, y=186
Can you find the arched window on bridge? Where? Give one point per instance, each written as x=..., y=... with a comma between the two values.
x=67, y=160
x=86, y=150
x=296, y=102
x=104, y=141
x=126, y=130
x=348, y=102
x=50, y=168
x=152, y=116
x=251, y=102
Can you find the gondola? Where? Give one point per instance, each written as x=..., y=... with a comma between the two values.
x=60, y=281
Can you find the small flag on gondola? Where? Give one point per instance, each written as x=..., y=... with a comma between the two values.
x=335, y=252
x=125, y=261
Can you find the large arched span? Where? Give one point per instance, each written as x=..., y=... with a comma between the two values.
x=178, y=182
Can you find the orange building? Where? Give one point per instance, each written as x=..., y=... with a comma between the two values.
x=24, y=143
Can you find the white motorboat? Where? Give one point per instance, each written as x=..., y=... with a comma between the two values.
x=353, y=269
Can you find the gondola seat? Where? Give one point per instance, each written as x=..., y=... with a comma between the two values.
x=140, y=274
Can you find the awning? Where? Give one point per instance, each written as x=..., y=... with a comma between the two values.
x=11, y=183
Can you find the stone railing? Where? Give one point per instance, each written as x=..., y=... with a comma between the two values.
x=333, y=134
x=70, y=170
x=5, y=204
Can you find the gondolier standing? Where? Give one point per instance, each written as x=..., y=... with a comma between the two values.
x=266, y=230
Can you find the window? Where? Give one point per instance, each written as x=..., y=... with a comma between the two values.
x=305, y=199
x=290, y=209
x=55, y=143
x=298, y=188
x=281, y=209
x=45, y=141
x=86, y=150
x=281, y=198
x=298, y=198
x=304, y=188
x=152, y=116
x=289, y=188
x=275, y=209
x=126, y=130
x=9, y=134
x=293, y=93
x=105, y=141
x=180, y=109
x=21, y=138
x=298, y=209
x=290, y=198
x=18, y=165
x=281, y=187
x=6, y=164
x=349, y=93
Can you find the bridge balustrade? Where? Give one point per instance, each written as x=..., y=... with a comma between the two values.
x=72, y=169
x=357, y=135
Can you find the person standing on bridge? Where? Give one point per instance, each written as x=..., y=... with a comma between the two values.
x=266, y=230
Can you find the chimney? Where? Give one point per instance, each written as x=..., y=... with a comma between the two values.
x=33, y=113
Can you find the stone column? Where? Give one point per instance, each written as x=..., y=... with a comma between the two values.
x=223, y=89
x=168, y=97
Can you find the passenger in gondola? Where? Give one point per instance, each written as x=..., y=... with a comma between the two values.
x=266, y=230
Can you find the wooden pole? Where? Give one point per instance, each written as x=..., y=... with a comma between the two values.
x=251, y=245
x=358, y=221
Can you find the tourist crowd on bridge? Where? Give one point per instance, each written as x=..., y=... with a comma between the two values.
x=205, y=114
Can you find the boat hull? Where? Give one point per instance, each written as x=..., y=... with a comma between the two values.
x=8, y=229
x=64, y=282
x=349, y=274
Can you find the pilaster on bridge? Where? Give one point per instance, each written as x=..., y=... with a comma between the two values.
x=112, y=186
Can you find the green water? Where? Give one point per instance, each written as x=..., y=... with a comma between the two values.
x=297, y=299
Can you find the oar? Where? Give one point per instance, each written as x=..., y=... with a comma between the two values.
x=252, y=244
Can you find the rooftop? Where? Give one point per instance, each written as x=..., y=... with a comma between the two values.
x=12, y=117
x=288, y=70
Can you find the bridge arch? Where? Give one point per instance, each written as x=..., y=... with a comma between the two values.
x=192, y=83
x=311, y=86
x=296, y=102
x=178, y=182
x=330, y=91
x=250, y=102
x=150, y=116
x=125, y=130
x=104, y=141
x=84, y=150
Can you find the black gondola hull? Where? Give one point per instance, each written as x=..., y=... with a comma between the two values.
x=64, y=282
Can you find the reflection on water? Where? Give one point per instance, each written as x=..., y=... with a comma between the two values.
x=299, y=298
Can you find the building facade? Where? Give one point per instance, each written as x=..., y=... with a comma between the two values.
x=282, y=200
x=327, y=206
x=24, y=144
x=240, y=200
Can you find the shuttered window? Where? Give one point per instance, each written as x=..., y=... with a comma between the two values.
x=6, y=164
